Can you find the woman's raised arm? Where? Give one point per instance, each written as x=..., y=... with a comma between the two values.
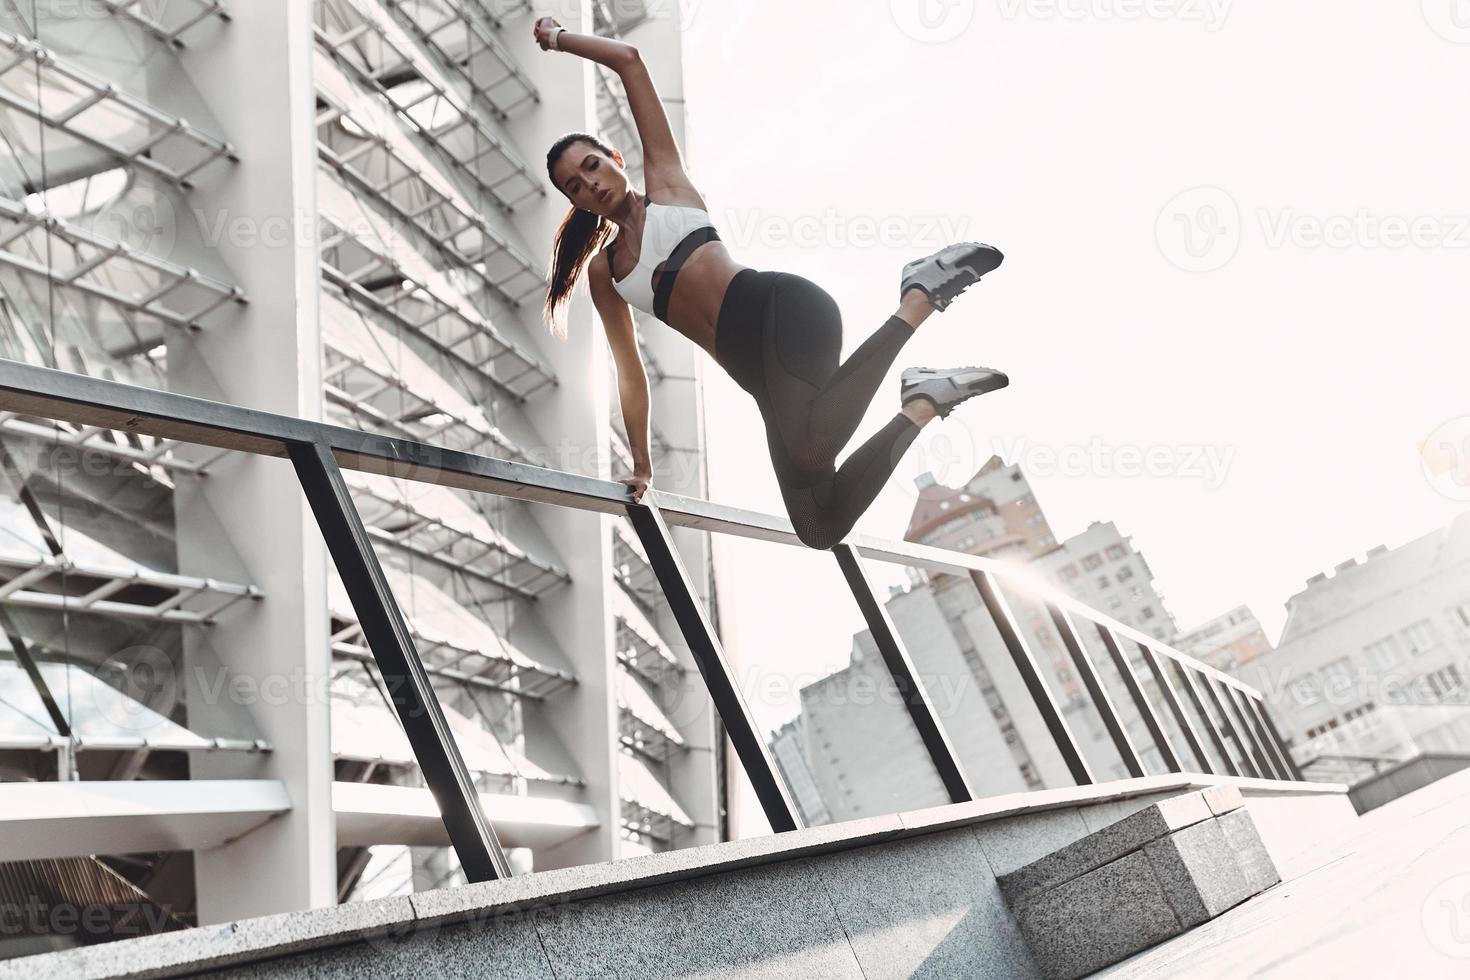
x=663, y=165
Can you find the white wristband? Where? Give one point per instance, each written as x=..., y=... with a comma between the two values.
x=555, y=38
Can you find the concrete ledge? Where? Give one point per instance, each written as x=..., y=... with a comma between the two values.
x=1138, y=882
x=76, y=819
x=1009, y=830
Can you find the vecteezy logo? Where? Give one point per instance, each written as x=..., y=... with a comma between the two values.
x=932, y=21
x=1199, y=230
x=1450, y=19
x=1445, y=456
x=1445, y=917
x=138, y=685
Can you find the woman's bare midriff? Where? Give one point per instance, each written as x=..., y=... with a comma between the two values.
x=699, y=290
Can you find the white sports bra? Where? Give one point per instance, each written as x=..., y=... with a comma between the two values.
x=671, y=233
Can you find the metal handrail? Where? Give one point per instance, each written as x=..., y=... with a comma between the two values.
x=319, y=451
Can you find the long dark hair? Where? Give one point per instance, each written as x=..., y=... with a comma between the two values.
x=579, y=237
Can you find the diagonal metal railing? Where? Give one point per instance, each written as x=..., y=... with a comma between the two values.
x=1227, y=710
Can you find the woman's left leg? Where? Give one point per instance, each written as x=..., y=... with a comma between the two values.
x=812, y=406
x=825, y=504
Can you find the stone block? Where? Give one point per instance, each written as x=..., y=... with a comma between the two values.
x=1223, y=798
x=1105, y=845
x=1198, y=872
x=1250, y=851
x=1097, y=919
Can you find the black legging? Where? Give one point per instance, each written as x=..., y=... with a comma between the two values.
x=779, y=336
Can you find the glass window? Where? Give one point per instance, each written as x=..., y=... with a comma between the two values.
x=1385, y=652
x=1304, y=690
x=1091, y=562
x=1125, y=573
x=1420, y=637
x=1103, y=582
x=1115, y=552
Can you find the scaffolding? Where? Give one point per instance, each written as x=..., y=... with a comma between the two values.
x=93, y=111
x=640, y=649
x=364, y=264
x=642, y=726
x=375, y=156
x=433, y=526
x=472, y=656
x=58, y=583
x=455, y=32
x=360, y=36
x=110, y=270
x=169, y=22
x=383, y=384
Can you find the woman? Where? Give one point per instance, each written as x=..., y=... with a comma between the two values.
x=777, y=334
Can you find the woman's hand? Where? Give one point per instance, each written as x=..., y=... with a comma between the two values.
x=545, y=27
x=639, y=482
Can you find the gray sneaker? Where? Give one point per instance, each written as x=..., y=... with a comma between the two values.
x=944, y=388
x=949, y=271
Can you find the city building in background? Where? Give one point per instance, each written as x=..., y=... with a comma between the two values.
x=856, y=743
x=336, y=211
x=1374, y=658
x=1227, y=641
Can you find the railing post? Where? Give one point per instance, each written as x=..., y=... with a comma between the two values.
x=1273, y=751
x=1199, y=705
x=1263, y=711
x=1140, y=699
x=1229, y=726
x=695, y=626
x=1010, y=634
x=408, y=684
x=1176, y=707
x=901, y=669
x=1263, y=760
x=1096, y=690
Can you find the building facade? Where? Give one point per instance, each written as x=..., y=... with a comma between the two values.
x=1227, y=641
x=336, y=211
x=1374, y=657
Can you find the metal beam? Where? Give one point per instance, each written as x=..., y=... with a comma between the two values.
x=1176, y=707
x=1140, y=699
x=905, y=679
x=1101, y=700
x=398, y=661
x=1264, y=762
x=1010, y=634
x=1231, y=727
x=1209, y=722
x=1281, y=747
x=708, y=655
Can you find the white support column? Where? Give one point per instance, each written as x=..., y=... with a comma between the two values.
x=256, y=77
x=573, y=421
